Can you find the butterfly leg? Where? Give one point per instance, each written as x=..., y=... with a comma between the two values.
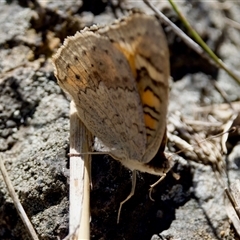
x=134, y=180
x=156, y=183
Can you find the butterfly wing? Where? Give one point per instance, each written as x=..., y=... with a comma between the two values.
x=98, y=77
x=144, y=44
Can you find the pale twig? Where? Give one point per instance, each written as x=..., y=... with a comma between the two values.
x=16, y=201
x=79, y=215
x=202, y=123
x=222, y=93
x=233, y=206
x=232, y=23
x=227, y=126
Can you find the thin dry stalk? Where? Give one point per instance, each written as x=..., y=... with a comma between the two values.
x=233, y=206
x=232, y=23
x=193, y=45
x=16, y=201
x=196, y=47
x=79, y=215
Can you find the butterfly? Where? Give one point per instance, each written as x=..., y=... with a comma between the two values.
x=117, y=77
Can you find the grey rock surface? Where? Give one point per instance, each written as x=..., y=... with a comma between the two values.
x=34, y=129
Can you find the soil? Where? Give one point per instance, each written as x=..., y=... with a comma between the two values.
x=34, y=126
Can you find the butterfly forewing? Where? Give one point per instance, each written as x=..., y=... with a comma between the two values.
x=99, y=79
x=118, y=78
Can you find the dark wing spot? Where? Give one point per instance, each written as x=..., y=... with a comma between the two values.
x=94, y=48
x=120, y=61
x=106, y=51
x=95, y=75
x=76, y=58
x=125, y=79
x=77, y=76
x=84, y=52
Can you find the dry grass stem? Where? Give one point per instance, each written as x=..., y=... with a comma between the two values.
x=79, y=215
x=233, y=205
x=199, y=46
x=16, y=201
